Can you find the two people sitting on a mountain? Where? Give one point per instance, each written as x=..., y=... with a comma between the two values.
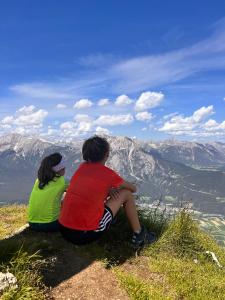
x=93, y=198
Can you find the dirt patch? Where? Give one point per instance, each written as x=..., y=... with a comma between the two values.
x=93, y=282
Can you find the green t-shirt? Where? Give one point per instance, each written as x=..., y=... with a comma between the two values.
x=44, y=204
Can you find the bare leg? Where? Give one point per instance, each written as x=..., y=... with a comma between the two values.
x=126, y=199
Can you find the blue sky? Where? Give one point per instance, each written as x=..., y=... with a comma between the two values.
x=158, y=65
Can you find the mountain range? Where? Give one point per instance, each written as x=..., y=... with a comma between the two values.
x=171, y=170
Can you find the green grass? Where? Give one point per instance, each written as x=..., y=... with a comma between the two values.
x=190, y=280
x=173, y=255
x=139, y=289
x=12, y=217
x=171, y=258
x=25, y=268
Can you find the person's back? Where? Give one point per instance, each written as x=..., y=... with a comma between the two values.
x=84, y=201
x=45, y=198
x=44, y=204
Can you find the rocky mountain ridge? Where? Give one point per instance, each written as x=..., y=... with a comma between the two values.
x=169, y=170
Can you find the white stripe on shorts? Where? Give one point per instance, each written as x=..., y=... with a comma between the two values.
x=105, y=221
x=107, y=218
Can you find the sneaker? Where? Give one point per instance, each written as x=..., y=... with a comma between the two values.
x=145, y=237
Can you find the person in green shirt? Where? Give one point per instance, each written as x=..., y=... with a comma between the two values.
x=45, y=198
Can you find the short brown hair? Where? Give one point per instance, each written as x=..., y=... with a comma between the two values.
x=95, y=149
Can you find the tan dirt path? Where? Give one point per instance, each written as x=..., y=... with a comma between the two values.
x=93, y=282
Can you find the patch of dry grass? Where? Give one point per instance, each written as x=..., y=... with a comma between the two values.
x=11, y=218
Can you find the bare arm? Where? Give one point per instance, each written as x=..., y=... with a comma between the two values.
x=128, y=186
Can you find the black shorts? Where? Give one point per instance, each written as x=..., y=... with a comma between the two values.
x=81, y=237
x=45, y=227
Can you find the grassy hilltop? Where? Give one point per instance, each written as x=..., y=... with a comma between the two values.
x=175, y=267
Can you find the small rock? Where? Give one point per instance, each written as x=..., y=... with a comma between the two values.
x=7, y=280
x=195, y=261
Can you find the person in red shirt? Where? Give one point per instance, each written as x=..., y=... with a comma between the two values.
x=94, y=197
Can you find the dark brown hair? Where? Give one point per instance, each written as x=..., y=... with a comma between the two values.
x=95, y=149
x=45, y=172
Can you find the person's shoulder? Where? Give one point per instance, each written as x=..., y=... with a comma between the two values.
x=81, y=166
x=57, y=180
x=108, y=170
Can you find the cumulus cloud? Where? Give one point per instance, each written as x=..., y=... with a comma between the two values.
x=68, y=125
x=179, y=124
x=60, y=106
x=82, y=124
x=101, y=130
x=148, y=100
x=84, y=127
x=202, y=113
x=212, y=126
x=144, y=116
x=123, y=100
x=9, y=120
x=83, y=103
x=27, y=119
x=113, y=120
x=26, y=116
x=103, y=102
x=82, y=118
x=51, y=132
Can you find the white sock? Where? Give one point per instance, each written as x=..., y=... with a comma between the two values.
x=137, y=231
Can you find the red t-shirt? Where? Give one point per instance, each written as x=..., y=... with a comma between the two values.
x=83, y=205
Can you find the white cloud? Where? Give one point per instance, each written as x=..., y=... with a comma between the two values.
x=26, y=116
x=83, y=103
x=9, y=120
x=137, y=73
x=68, y=125
x=202, y=113
x=26, y=120
x=113, y=120
x=52, y=132
x=144, y=116
x=82, y=118
x=166, y=117
x=147, y=71
x=148, y=100
x=101, y=130
x=39, y=90
x=144, y=128
x=103, y=102
x=212, y=125
x=123, y=100
x=26, y=110
x=61, y=106
x=84, y=127
x=185, y=125
x=83, y=124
